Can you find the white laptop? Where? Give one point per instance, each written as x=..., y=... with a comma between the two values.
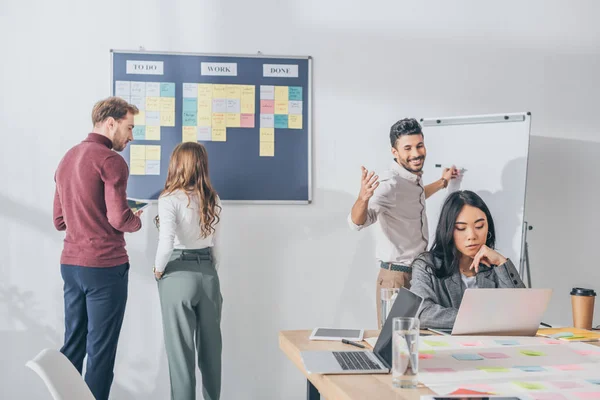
x=378, y=361
x=500, y=312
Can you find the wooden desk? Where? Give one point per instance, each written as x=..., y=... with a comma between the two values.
x=343, y=387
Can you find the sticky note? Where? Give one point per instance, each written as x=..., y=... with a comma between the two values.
x=281, y=107
x=153, y=152
x=219, y=134
x=493, y=369
x=190, y=104
x=137, y=167
x=190, y=118
x=295, y=121
x=425, y=356
x=426, y=352
x=267, y=134
x=438, y=370
x=467, y=357
x=233, y=106
x=594, y=381
x=247, y=121
x=204, y=134
x=281, y=121
x=219, y=105
x=232, y=120
x=248, y=103
x=530, y=368
x=152, y=89
x=218, y=121
x=267, y=92
x=167, y=89
x=153, y=133
x=190, y=91
x=139, y=102
x=152, y=167
x=588, y=395
x=471, y=344
x=530, y=385
x=219, y=91
x=281, y=93
x=587, y=352
x=562, y=335
x=137, y=152
x=167, y=118
x=152, y=118
x=204, y=107
x=267, y=107
x=295, y=107
x=569, y=367
x=139, y=118
x=205, y=91
x=152, y=103
x=547, y=396
x=267, y=149
x=566, y=385
x=551, y=341
x=435, y=343
x=508, y=342
x=267, y=121
x=532, y=353
x=233, y=92
x=205, y=120
x=167, y=104
x=139, y=132
x=493, y=355
x=189, y=134
x=295, y=93
x=122, y=88
x=138, y=89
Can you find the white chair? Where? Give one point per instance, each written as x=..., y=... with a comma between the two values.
x=60, y=376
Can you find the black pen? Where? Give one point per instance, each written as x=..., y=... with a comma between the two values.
x=546, y=325
x=353, y=344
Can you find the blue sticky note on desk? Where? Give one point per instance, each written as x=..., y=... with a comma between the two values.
x=467, y=357
x=594, y=381
x=530, y=368
x=507, y=342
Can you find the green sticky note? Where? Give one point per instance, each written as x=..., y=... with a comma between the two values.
x=433, y=343
x=532, y=353
x=426, y=352
x=530, y=385
x=493, y=369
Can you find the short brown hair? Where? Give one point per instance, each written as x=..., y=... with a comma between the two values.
x=114, y=107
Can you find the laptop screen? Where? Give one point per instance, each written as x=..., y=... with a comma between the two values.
x=407, y=304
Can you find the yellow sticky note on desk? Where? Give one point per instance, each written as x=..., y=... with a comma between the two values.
x=152, y=103
x=152, y=152
x=137, y=152
x=281, y=93
x=139, y=118
x=267, y=135
x=137, y=167
x=294, y=121
x=267, y=149
x=219, y=134
x=153, y=133
x=189, y=134
x=218, y=120
x=167, y=104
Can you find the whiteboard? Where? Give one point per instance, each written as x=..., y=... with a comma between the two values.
x=493, y=151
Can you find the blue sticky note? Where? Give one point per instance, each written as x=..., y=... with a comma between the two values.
x=139, y=132
x=594, y=381
x=467, y=357
x=530, y=368
x=507, y=342
x=167, y=89
x=190, y=104
x=190, y=118
x=281, y=121
x=295, y=93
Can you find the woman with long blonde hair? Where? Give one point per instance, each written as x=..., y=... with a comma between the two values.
x=189, y=214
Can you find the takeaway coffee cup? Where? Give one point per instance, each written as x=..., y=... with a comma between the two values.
x=582, y=301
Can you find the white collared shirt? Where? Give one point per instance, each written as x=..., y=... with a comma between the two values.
x=399, y=206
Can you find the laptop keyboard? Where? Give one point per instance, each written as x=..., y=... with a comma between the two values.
x=355, y=360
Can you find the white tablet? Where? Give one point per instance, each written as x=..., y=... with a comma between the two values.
x=337, y=334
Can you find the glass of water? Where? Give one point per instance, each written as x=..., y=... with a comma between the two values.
x=388, y=296
x=405, y=353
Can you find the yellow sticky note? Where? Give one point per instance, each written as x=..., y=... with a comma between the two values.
x=204, y=107
x=233, y=91
x=167, y=104
x=219, y=134
x=248, y=103
x=232, y=120
x=137, y=152
x=137, y=167
x=294, y=121
x=153, y=133
x=281, y=93
x=152, y=103
x=205, y=120
x=140, y=118
x=267, y=149
x=219, y=92
x=218, y=120
x=205, y=91
x=189, y=134
x=167, y=119
x=281, y=107
x=267, y=134
x=152, y=152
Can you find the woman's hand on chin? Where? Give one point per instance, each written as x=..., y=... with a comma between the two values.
x=488, y=257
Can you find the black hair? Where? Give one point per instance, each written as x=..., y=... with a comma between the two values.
x=406, y=126
x=444, y=247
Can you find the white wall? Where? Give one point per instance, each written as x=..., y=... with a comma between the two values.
x=292, y=267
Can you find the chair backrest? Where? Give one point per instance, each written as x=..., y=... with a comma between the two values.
x=60, y=376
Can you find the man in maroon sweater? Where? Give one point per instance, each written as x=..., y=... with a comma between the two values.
x=90, y=204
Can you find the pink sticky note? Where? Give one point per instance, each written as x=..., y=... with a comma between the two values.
x=471, y=344
x=547, y=396
x=566, y=385
x=552, y=341
x=247, y=121
x=479, y=386
x=569, y=367
x=587, y=352
x=439, y=370
x=267, y=106
x=588, y=395
x=425, y=356
x=493, y=355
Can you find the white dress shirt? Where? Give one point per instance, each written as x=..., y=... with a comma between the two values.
x=399, y=206
x=469, y=281
x=180, y=228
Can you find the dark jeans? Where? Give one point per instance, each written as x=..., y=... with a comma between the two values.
x=95, y=300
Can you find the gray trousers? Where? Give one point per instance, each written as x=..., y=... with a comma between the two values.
x=190, y=300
